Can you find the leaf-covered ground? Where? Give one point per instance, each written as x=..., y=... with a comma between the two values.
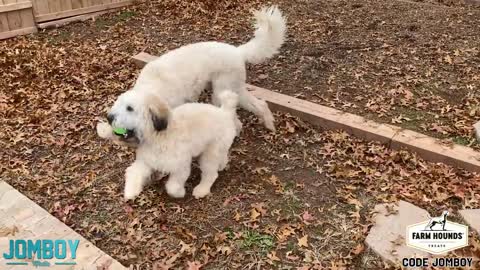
x=398, y=62
x=301, y=197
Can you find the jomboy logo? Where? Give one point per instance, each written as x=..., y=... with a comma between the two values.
x=437, y=235
x=41, y=252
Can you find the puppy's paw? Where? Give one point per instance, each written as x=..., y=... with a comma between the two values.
x=104, y=130
x=132, y=190
x=175, y=190
x=270, y=125
x=267, y=116
x=200, y=191
x=238, y=126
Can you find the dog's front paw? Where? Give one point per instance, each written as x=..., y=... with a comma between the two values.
x=270, y=125
x=132, y=190
x=200, y=191
x=104, y=130
x=175, y=190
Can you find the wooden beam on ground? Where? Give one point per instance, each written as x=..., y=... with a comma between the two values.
x=62, y=22
x=80, y=11
x=18, y=32
x=429, y=148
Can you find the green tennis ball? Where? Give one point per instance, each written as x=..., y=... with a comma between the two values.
x=120, y=131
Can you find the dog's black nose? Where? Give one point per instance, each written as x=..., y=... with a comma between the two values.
x=110, y=118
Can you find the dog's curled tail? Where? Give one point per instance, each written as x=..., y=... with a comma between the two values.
x=229, y=101
x=270, y=30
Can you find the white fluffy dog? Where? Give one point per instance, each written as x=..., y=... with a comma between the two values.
x=181, y=75
x=169, y=139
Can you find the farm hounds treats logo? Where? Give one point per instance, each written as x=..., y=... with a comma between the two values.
x=39, y=253
x=437, y=236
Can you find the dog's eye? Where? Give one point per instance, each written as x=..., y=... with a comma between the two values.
x=129, y=108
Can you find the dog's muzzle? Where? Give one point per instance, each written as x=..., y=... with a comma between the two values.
x=128, y=135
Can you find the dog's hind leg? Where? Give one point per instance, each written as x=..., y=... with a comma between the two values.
x=251, y=104
x=210, y=162
x=236, y=83
x=256, y=106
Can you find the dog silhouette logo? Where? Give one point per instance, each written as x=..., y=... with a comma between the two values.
x=437, y=235
x=441, y=220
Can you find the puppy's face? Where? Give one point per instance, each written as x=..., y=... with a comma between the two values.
x=142, y=115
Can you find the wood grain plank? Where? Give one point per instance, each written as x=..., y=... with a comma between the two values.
x=61, y=22
x=27, y=18
x=40, y=7
x=97, y=2
x=65, y=5
x=54, y=6
x=18, y=32
x=15, y=6
x=14, y=19
x=64, y=14
x=76, y=4
x=3, y=21
x=86, y=3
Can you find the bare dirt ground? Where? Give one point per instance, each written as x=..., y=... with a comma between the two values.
x=299, y=198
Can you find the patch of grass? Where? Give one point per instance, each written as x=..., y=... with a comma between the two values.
x=292, y=205
x=230, y=234
x=61, y=36
x=289, y=185
x=101, y=216
x=101, y=23
x=253, y=239
x=461, y=140
x=124, y=15
x=291, y=246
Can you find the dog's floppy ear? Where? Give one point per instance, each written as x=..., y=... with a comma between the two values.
x=159, y=123
x=159, y=112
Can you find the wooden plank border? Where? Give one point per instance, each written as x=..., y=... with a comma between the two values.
x=429, y=148
x=80, y=11
x=18, y=32
x=62, y=22
x=15, y=6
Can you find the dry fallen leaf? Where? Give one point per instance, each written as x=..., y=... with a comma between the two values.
x=237, y=216
x=303, y=242
x=273, y=256
x=254, y=214
x=194, y=265
x=358, y=249
x=306, y=216
x=6, y=231
x=224, y=250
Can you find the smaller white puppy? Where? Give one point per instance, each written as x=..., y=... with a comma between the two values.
x=167, y=141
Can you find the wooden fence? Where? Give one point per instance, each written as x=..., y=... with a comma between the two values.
x=19, y=17
x=16, y=18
